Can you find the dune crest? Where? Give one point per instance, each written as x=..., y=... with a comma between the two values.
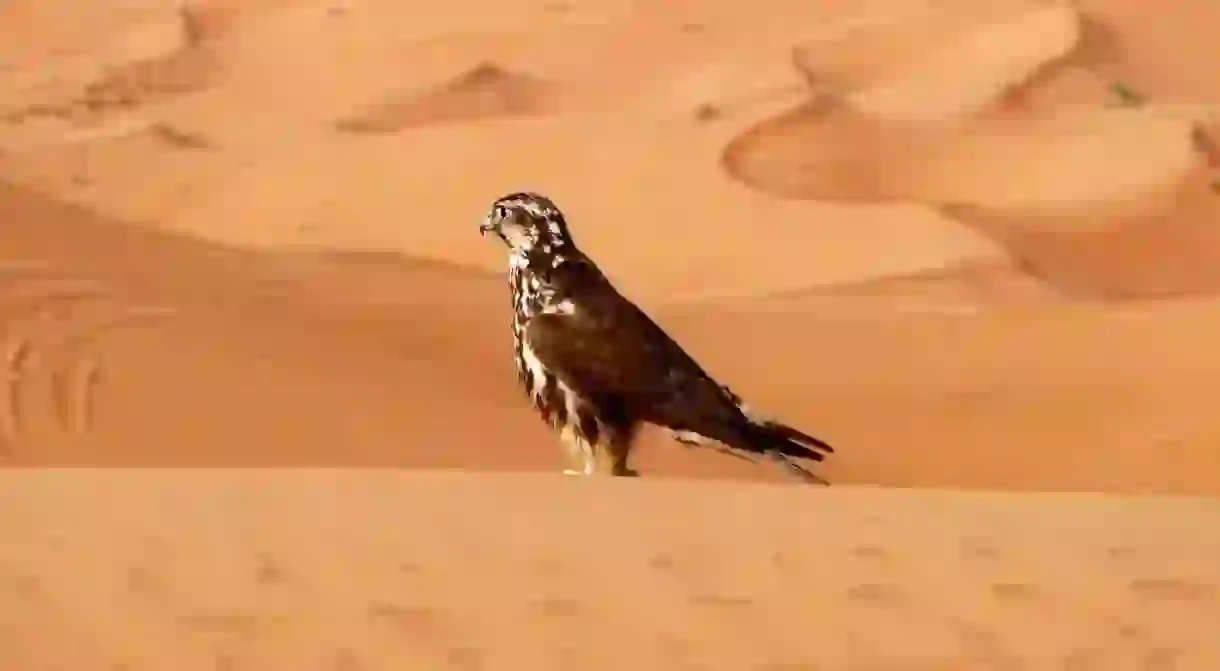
x=484, y=91
x=939, y=63
x=1094, y=181
x=967, y=75
x=1071, y=185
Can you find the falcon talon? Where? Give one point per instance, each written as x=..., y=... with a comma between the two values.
x=597, y=368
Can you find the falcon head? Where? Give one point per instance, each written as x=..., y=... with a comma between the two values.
x=528, y=223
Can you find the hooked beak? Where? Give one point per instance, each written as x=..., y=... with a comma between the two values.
x=486, y=227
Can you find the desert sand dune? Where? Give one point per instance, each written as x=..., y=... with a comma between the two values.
x=940, y=61
x=1145, y=53
x=270, y=148
x=359, y=570
x=973, y=247
x=1101, y=201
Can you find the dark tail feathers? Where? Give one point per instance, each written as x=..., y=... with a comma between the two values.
x=746, y=435
x=771, y=436
x=765, y=436
x=782, y=443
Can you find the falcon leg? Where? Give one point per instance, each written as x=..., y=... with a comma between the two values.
x=617, y=449
x=579, y=451
x=608, y=456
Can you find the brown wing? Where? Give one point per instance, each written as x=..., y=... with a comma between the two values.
x=603, y=349
x=608, y=347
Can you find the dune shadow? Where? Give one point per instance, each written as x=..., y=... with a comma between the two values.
x=485, y=91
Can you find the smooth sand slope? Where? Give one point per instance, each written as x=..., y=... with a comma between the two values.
x=139, y=348
x=359, y=570
x=972, y=247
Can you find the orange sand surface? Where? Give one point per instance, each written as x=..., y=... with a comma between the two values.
x=971, y=245
x=333, y=569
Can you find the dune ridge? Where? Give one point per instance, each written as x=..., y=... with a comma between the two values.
x=1068, y=219
x=484, y=91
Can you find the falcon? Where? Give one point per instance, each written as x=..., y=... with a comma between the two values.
x=597, y=368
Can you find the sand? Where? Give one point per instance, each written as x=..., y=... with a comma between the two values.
x=975, y=248
x=218, y=569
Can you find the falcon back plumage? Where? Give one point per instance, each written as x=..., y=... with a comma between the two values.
x=596, y=367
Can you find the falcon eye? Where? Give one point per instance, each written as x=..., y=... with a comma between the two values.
x=501, y=212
